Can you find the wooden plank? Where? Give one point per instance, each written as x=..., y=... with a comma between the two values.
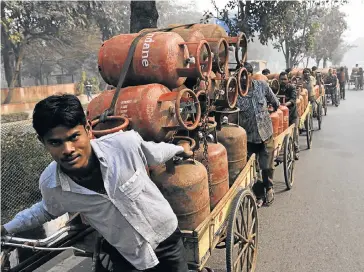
x=200, y=242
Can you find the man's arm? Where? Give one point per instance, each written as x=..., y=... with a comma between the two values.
x=292, y=96
x=30, y=218
x=158, y=153
x=271, y=97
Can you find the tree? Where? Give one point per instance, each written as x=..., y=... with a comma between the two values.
x=290, y=24
x=112, y=17
x=24, y=22
x=332, y=25
x=143, y=14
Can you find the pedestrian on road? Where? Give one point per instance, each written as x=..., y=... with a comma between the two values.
x=266, y=72
x=331, y=82
x=106, y=181
x=360, y=74
x=342, y=81
x=309, y=83
x=346, y=74
x=88, y=89
x=255, y=119
x=290, y=93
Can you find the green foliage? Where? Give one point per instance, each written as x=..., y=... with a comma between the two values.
x=292, y=25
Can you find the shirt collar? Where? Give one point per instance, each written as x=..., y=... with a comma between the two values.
x=63, y=180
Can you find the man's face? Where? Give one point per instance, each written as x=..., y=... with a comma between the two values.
x=69, y=147
x=306, y=74
x=283, y=80
x=330, y=71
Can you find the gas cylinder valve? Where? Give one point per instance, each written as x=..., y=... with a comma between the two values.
x=191, y=60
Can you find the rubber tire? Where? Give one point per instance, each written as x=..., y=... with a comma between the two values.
x=308, y=127
x=243, y=193
x=288, y=146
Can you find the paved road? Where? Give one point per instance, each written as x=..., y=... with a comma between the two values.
x=318, y=225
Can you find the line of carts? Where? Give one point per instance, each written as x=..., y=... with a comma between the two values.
x=231, y=225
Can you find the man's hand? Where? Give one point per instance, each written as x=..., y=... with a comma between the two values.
x=3, y=231
x=187, y=152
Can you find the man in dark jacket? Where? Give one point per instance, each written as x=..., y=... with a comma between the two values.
x=342, y=81
x=255, y=119
x=360, y=74
x=330, y=82
x=290, y=93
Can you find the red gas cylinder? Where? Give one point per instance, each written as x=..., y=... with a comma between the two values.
x=160, y=57
x=219, y=173
x=298, y=106
x=185, y=186
x=208, y=30
x=273, y=76
x=112, y=124
x=280, y=114
x=153, y=110
x=285, y=111
x=234, y=139
x=274, y=116
x=304, y=93
x=302, y=104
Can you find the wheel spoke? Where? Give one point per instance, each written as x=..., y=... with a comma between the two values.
x=240, y=255
x=243, y=221
x=242, y=238
x=252, y=226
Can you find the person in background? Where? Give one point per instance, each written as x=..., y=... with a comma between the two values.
x=106, y=181
x=330, y=82
x=347, y=74
x=314, y=71
x=309, y=83
x=88, y=88
x=290, y=93
x=360, y=74
x=266, y=72
x=342, y=81
x=255, y=119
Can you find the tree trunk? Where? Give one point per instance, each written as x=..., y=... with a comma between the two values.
x=325, y=63
x=143, y=14
x=287, y=55
x=6, y=51
x=16, y=73
x=318, y=62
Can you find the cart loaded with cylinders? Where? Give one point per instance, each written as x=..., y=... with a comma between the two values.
x=179, y=85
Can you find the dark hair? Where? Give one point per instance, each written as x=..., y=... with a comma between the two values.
x=288, y=70
x=342, y=68
x=248, y=67
x=307, y=70
x=266, y=72
x=283, y=74
x=58, y=110
x=314, y=68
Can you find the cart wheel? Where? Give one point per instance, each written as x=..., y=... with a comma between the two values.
x=319, y=115
x=242, y=234
x=325, y=106
x=288, y=161
x=308, y=127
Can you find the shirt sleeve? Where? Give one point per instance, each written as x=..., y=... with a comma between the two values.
x=271, y=97
x=30, y=218
x=158, y=153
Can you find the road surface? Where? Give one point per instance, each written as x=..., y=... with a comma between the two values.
x=318, y=225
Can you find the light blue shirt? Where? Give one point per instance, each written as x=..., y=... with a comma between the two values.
x=134, y=217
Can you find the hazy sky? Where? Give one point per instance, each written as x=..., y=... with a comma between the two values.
x=354, y=9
